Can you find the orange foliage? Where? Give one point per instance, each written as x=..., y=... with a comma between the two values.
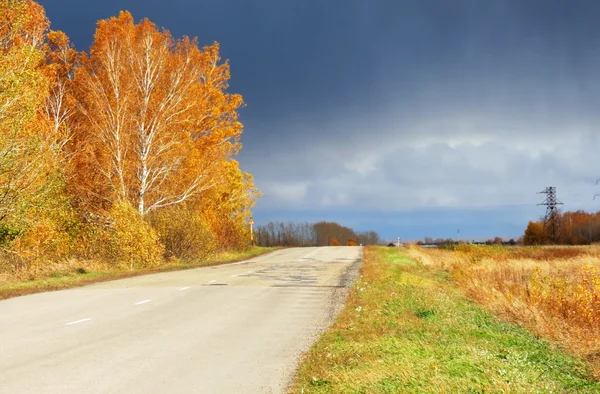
x=351, y=242
x=227, y=206
x=23, y=89
x=335, y=242
x=91, y=144
x=574, y=228
x=154, y=122
x=535, y=234
x=22, y=23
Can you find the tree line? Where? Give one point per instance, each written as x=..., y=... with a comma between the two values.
x=312, y=234
x=571, y=228
x=123, y=153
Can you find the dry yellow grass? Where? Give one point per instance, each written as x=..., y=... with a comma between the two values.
x=552, y=291
x=58, y=275
x=406, y=328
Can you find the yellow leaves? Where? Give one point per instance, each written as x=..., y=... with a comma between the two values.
x=93, y=143
x=184, y=232
x=23, y=88
x=155, y=119
x=131, y=240
x=22, y=22
x=43, y=240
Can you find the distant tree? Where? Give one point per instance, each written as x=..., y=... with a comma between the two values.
x=311, y=234
x=368, y=238
x=335, y=242
x=351, y=242
x=535, y=234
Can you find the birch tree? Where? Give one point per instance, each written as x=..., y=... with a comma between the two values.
x=23, y=89
x=62, y=59
x=155, y=118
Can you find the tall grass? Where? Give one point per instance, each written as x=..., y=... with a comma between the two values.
x=406, y=328
x=553, y=291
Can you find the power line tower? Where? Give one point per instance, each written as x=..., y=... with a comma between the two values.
x=551, y=223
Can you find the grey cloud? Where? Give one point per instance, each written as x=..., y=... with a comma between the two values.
x=357, y=107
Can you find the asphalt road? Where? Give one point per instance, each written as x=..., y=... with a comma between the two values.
x=237, y=328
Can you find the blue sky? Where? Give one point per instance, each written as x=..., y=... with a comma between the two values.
x=412, y=118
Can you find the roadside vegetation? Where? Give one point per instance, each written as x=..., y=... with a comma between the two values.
x=71, y=274
x=120, y=158
x=554, y=291
x=407, y=328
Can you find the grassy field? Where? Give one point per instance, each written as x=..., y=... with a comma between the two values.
x=553, y=291
x=69, y=274
x=407, y=328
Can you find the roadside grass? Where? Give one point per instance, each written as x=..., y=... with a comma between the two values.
x=75, y=274
x=406, y=328
x=552, y=291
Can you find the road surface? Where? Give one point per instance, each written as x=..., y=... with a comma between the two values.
x=236, y=328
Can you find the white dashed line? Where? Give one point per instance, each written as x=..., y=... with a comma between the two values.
x=212, y=281
x=184, y=288
x=78, y=321
x=233, y=276
x=142, y=302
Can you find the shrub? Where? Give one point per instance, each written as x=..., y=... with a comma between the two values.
x=184, y=233
x=131, y=240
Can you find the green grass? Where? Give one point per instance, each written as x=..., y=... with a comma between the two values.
x=60, y=280
x=406, y=329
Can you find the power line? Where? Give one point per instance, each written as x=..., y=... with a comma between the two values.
x=551, y=222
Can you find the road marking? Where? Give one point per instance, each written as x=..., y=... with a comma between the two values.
x=78, y=321
x=184, y=288
x=142, y=302
x=233, y=276
x=212, y=281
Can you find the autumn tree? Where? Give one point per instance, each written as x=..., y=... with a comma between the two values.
x=59, y=108
x=124, y=154
x=23, y=89
x=325, y=231
x=227, y=207
x=311, y=234
x=155, y=121
x=535, y=234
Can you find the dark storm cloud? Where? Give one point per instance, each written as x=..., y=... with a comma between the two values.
x=359, y=106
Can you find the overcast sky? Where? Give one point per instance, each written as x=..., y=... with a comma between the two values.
x=412, y=118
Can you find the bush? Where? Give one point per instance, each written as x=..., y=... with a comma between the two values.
x=131, y=239
x=184, y=233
